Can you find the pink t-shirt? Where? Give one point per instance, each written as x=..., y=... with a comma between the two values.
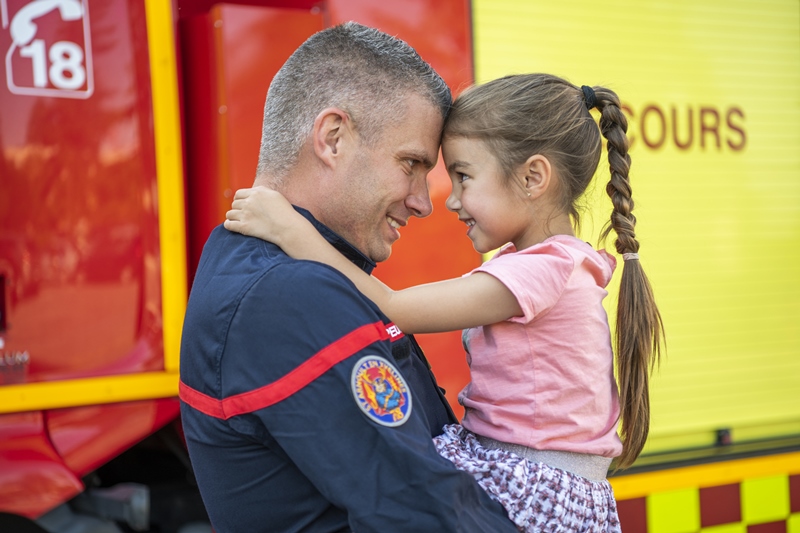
x=545, y=380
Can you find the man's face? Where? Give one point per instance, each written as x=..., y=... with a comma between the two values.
x=381, y=187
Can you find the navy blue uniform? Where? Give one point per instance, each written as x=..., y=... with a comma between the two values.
x=305, y=409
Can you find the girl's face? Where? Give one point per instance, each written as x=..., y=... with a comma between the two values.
x=494, y=208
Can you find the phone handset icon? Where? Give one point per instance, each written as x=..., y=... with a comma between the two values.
x=57, y=68
x=23, y=29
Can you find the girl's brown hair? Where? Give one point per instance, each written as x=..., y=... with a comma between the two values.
x=518, y=116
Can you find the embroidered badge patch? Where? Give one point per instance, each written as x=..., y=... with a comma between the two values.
x=380, y=391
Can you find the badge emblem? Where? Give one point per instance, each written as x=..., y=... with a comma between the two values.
x=380, y=391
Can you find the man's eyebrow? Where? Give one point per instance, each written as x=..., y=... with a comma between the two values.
x=421, y=157
x=455, y=165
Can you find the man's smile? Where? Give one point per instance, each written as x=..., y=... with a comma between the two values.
x=394, y=223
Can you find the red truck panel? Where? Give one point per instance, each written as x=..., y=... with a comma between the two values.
x=87, y=437
x=80, y=260
x=78, y=216
x=79, y=242
x=33, y=478
x=225, y=94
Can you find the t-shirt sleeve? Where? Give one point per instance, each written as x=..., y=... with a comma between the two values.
x=536, y=277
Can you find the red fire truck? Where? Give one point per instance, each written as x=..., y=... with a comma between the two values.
x=127, y=125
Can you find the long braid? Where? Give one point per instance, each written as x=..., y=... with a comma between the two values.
x=639, y=331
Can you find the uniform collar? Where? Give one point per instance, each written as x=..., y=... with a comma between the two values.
x=344, y=247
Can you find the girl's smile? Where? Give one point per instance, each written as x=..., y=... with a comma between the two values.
x=496, y=209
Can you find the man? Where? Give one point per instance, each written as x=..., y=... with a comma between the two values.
x=304, y=408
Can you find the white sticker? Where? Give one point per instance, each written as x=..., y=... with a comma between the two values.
x=50, y=52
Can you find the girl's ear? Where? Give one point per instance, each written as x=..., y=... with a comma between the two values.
x=331, y=127
x=537, y=174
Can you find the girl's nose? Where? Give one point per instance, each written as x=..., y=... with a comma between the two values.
x=453, y=202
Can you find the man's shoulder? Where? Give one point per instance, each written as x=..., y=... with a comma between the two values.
x=233, y=259
x=314, y=288
x=231, y=255
x=233, y=267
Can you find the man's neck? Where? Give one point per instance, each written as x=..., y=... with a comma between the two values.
x=338, y=242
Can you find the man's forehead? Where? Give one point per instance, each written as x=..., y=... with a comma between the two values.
x=420, y=130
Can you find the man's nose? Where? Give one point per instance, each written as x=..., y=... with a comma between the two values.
x=418, y=200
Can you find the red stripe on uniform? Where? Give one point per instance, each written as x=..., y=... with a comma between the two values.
x=202, y=402
x=394, y=332
x=311, y=369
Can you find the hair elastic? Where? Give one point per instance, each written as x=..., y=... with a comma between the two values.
x=630, y=256
x=589, y=97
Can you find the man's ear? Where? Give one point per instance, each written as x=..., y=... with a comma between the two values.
x=331, y=127
x=537, y=173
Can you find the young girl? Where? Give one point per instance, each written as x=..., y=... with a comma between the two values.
x=542, y=408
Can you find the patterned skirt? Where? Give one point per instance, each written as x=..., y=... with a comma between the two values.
x=538, y=497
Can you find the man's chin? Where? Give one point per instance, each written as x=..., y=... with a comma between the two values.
x=381, y=254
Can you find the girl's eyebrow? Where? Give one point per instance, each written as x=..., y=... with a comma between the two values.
x=455, y=165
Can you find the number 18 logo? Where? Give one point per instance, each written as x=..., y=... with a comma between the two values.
x=50, y=50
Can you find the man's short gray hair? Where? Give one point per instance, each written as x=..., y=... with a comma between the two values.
x=358, y=69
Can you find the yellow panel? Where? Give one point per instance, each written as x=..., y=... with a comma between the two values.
x=719, y=220
x=169, y=166
x=706, y=475
x=726, y=528
x=765, y=499
x=89, y=391
x=663, y=518
x=793, y=524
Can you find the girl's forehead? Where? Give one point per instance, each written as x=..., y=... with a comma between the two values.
x=469, y=156
x=463, y=146
x=460, y=141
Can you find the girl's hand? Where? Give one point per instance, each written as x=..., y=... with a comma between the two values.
x=264, y=213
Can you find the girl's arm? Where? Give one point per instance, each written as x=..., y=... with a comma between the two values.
x=448, y=305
